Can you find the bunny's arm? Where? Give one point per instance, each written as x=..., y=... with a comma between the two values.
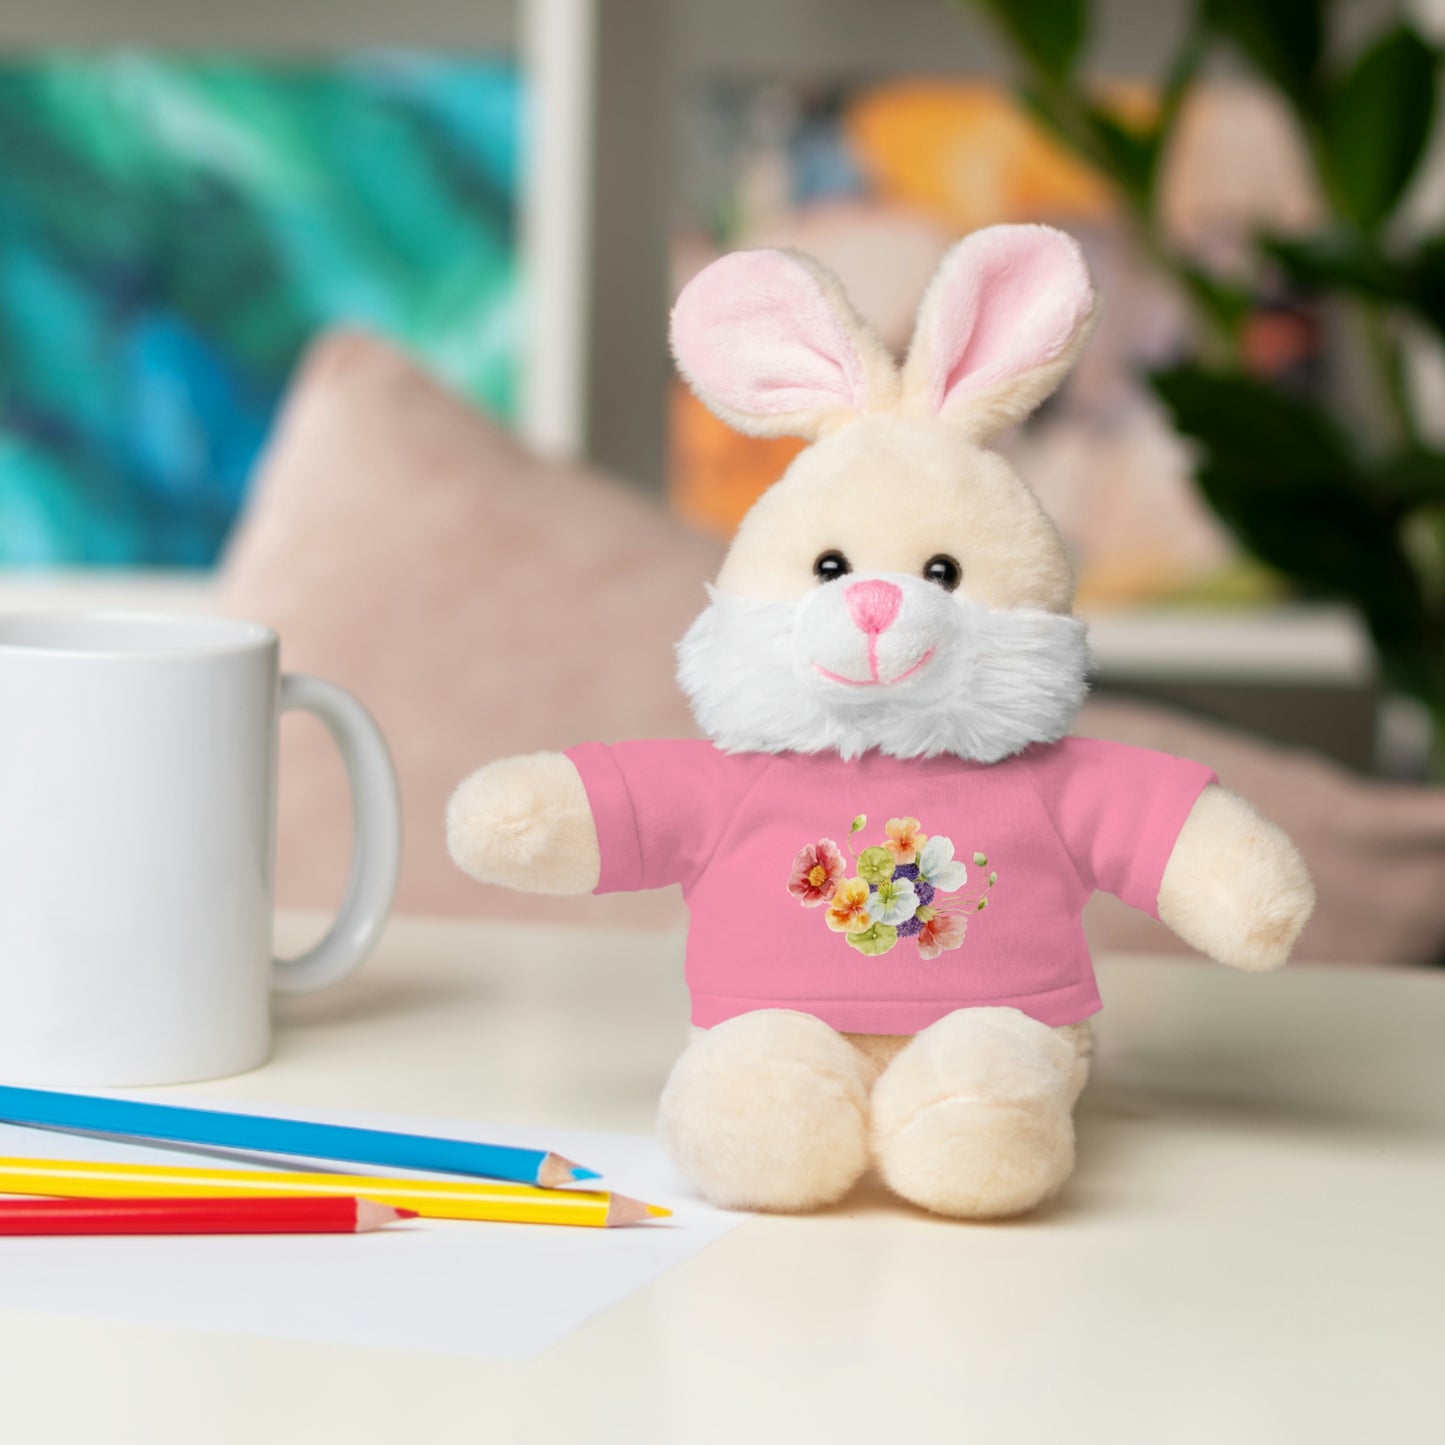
x=525, y=823
x=1235, y=887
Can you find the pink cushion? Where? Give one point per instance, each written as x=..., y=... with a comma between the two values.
x=478, y=600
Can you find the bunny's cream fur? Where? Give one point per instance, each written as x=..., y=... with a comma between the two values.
x=971, y=1116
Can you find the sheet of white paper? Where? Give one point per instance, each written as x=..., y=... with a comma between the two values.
x=491, y=1291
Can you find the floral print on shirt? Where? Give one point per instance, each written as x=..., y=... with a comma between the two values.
x=907, y=886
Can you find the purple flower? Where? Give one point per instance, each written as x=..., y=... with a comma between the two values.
x=923, y=891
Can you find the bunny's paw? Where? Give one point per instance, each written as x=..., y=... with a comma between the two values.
x=973, y=1118
x=1235, y=886
x=769, y=1110
x=525, y=823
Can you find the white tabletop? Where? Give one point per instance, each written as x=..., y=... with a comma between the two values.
x=1253, y=1249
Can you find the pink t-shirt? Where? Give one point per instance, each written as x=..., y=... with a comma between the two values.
x=881, y=894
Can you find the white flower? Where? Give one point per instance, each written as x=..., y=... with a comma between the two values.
x=893, y=901
x=936, y=865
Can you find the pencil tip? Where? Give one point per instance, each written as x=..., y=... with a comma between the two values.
x=556, y=1170
x=371, y=1215
x=622, y=1210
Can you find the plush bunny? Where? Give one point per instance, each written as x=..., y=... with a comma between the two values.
x=887, y=840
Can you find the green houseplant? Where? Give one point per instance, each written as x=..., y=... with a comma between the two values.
x=1357, y=511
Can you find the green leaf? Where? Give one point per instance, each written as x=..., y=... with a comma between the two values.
x=1124, y=156
x=877, y=938
x=1180, y=80
x=1256, y=429
x=1286, y=480
x=1375, y=124
x=1284, y=38
x=1360, y=266
x=875, y=865
x=861, y=821
x=1339, y=261
x=1130, y=155
x=1048, y=33
x=1415, y=477
x=1427, y=283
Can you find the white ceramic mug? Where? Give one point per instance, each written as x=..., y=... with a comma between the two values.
x=137, y=814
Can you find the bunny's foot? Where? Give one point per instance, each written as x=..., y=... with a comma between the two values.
x=769, y=1111
x=974, y=1117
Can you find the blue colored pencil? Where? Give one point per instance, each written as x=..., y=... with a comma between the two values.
x=256, y=1134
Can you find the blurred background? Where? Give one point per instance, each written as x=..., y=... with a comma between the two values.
x=275, y=279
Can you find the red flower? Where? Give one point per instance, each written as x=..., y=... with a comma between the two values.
x=939, y=931
x=817, y=871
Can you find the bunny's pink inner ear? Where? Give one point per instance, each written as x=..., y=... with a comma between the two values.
x=999, y=325
x=770, y=343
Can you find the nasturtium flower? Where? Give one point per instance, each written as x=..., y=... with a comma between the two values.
x=892, y=901
x=904, y=840
x=942, y=930
x=938, y=866
x=875, y=865
x=875, y=939
x=817, y=871
x=848, y=907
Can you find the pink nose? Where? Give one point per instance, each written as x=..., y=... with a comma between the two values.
x=873, y=605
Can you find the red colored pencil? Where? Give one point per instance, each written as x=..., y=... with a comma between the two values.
x=301, y=1215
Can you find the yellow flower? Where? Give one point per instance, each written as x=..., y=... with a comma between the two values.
x=903, y=840
x=848, y=909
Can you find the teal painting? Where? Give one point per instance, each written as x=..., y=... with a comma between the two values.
x=173, y=231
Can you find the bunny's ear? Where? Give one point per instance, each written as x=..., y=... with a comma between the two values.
x=771, y=344
x=1003, y=320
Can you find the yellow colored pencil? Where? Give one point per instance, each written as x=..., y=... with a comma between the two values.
x=430, y=1198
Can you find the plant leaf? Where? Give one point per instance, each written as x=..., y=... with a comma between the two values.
x=1338, y=261
x=1354, y=263
x=1426, y=295
x=1375, y=124
x=1129, y=155
x=1048, y=33
x=876, y=939
x=1284, y=38
x=875, y=865
x=1412, y=478
x=1285, y=479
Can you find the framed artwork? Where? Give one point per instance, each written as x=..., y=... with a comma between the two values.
x=174, y=230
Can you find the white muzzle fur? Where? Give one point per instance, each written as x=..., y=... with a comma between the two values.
x=885, y=661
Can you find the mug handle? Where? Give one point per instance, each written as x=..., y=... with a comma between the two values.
x=376, y=841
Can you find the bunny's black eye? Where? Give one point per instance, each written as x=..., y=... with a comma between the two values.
x=944, y=570
x=831, y=565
